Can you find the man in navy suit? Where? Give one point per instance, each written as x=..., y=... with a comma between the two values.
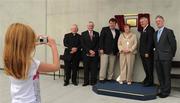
x=146, y=50
x=90, y=46
x=165, y=49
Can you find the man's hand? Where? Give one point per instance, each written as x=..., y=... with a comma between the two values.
x=101, y=51
x=146, y=55
x=91, y=55
x=73, y=50
x=91, y=52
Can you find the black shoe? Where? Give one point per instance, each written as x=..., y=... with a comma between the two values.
x=93, y=84
x=163, y=96
x=66, y=83
x=110, y=80
x=75, y=83
x=159, y=94
x=145, y=81
x=85, y=84
x=102, y=81
x=148, y=84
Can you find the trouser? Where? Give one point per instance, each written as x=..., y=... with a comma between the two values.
x=71, y=68
x=148, y=68
x=126, y=66
x=163, y=72
x=107, y=63
x=90, y=67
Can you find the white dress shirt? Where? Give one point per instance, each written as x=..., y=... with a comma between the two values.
x=113, y=32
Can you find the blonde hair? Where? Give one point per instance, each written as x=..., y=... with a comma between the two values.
x=19, y=44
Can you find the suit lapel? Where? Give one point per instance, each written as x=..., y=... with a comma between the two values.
x=110, y=32
x=144, y=31
x=147, y=28
x=89, y=38
x=93, y=36
x=162, y=35
x=116, y=36
x=155, y=38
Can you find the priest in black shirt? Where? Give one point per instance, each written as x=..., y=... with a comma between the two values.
x=72, y=55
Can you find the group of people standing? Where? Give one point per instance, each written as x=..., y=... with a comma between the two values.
x=157, y=48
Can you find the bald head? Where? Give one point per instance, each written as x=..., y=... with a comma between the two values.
x=74, y=28
x=144, y=22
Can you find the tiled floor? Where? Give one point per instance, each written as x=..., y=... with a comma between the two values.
x=53, y=91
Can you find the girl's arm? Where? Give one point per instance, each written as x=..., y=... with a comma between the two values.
x=55, y=66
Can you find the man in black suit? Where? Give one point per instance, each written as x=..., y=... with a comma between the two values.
x=90, y=45
x=72, y=55
x=165, y=49
x=108, y=50
x=146, y=50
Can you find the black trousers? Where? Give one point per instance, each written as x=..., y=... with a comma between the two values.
x=90, y=69
x=163, y=72
x=148, y=68
x=71, y=69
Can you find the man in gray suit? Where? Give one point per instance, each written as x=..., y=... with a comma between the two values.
x=165, y=49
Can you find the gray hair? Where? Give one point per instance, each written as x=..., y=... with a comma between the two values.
x=160, y=17
x=91, y=22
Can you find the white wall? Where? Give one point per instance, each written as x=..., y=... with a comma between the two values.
x=61, y=14
x=31, y=12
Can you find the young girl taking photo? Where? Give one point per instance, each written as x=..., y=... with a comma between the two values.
x=20, y=65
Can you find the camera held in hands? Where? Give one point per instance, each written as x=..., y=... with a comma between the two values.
x=43, y=39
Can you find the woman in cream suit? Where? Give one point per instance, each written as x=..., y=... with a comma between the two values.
x=127, y=45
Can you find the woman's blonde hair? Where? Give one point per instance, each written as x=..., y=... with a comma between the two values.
x=19, y=44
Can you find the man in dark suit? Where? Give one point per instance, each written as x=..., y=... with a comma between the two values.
x=165, y=49
x=90, y=45
x=108, y=50
x=72, y=55
x=146, y=50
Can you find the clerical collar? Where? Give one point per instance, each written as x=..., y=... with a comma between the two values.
x=73, y=34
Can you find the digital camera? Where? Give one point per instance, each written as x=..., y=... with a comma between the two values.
x=43, y=39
